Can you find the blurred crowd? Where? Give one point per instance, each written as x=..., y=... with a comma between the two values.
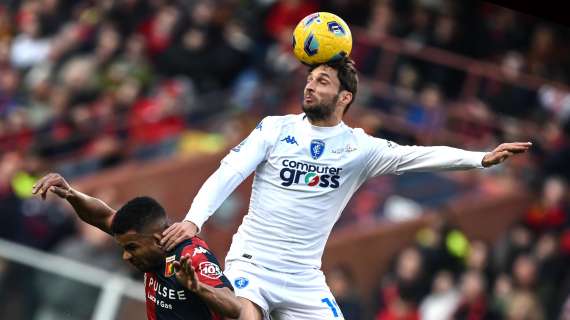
x=87, y=85
x=524, y=275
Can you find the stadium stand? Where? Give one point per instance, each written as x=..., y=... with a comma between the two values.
x=92, y=86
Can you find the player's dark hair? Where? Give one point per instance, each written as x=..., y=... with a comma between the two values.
x=347, y=75
x=138, y=215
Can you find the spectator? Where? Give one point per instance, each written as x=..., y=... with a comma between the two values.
x=427, y=115
x=420, y=23
x=381, y=24
x=507, y=98
x=442, y=300
x=474, y=303
x=341, y=282
x=29, y=48
x=551, y=212
x=478, y=259
x=551, y=269
x=541, y=52
x=400, y=295
x=159, y=30
x=284, y=15
x=525, y=284
x=524, y=306
x=517, y=240
x=502, y=293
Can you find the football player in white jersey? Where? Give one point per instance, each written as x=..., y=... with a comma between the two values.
x=307, y=167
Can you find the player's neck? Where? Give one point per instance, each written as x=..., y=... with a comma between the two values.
x=331, y=121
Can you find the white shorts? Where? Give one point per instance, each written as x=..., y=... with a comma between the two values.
x=284, y=296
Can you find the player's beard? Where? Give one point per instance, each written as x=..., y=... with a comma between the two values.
x=320, y=111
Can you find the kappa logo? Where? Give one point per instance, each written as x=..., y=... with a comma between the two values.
x=317, y=148
x=210, y=270
x=241, y=282
x=199, y=250
x=290, y=140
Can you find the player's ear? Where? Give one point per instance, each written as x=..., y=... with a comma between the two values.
x=157, y=237
x=345, y=97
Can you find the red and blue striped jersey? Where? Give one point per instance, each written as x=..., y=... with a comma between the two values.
x=166, y=299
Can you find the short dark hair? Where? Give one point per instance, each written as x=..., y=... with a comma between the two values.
x=138, y=215
x=347, y=75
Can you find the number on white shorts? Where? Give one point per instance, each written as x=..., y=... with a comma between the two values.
x=332, y=305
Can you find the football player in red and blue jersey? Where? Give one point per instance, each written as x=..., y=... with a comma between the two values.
x=183, y=283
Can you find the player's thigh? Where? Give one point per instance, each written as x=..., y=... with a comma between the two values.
x=308, y=297
x=314, y=309
x=250, y=310
x=248, y=282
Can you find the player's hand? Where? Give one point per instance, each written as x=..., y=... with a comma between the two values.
x=177, y=233
x=186, y=274
x=53, y=182
x=503, y=152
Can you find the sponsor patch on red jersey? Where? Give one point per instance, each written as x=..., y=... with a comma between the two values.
x=210, y=270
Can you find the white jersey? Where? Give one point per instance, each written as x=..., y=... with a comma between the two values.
x=304, y=177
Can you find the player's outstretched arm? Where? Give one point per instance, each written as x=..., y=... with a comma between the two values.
x=91, y=210
x=221, y=300
x=210, y=197
x=503, y=152
x=388, y=157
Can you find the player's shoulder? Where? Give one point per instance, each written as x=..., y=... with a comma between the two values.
x=271, y=127
x=192, y=246
x=366, y=140
x=359, y=133
x=279, y=121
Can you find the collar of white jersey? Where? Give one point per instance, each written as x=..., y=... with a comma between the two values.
x=328, y=131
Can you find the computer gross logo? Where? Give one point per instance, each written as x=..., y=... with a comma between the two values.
x=309, y=174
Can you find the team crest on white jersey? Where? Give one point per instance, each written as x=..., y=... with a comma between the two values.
x=317, y=148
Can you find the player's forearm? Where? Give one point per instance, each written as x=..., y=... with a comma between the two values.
x=221, y=300
x=213, y=193
x=91, y=210
x=416, y=158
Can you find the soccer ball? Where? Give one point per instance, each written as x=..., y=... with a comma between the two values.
x=321, y=37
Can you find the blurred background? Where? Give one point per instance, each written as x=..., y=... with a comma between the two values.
x=135, y=97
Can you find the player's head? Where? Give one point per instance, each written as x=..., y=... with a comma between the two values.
x=136, y=227
x=330, y=89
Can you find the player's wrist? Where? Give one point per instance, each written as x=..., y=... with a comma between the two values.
x=485, y=161
x=193, y=226
x=72, y=194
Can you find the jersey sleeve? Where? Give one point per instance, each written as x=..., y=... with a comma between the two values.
x=234, y=168
x=387, y=157
x=254, y=149
x=213, y=193
x=207, y=267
